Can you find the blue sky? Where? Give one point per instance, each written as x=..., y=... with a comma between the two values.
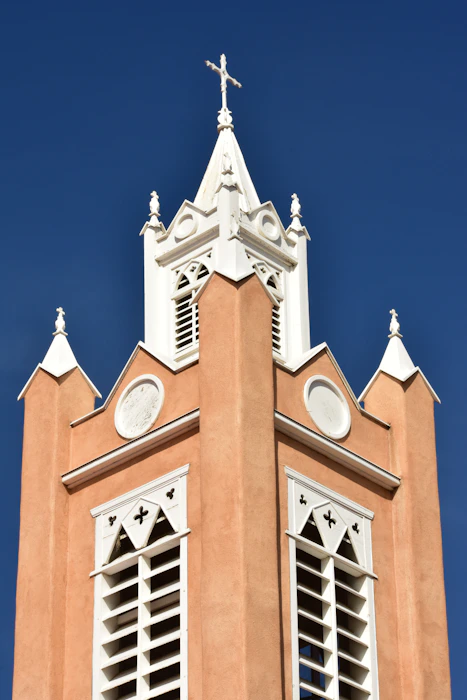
x=359, y=107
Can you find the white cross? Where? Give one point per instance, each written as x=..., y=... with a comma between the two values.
x=224, y=118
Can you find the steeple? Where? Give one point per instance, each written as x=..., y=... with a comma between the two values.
x=59, y=358
x=396, y=360
x=228, y=230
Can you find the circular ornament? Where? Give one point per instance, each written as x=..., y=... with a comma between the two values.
x=138, y=406
x=268, y=226
x=186, y=225
x=327, y=406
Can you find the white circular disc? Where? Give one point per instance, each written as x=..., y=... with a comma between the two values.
x=138, y=406
x=327, y=406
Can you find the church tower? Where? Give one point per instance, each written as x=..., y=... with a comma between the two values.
x=231, y=522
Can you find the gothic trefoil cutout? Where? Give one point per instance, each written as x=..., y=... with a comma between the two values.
x=328, y=516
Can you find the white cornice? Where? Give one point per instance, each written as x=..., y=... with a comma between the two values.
x=133, y=448
x=338, y=453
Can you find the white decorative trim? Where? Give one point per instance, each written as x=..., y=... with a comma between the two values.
x=338, y=453
x=328, y=493
x=309, y=355
x=400, y=379
x=93, y=388
x=133, y=448
x=119, y=417
x=343, y=406
x=305, y=505
x=161, y=482
x=126, y=604
x=174, y=366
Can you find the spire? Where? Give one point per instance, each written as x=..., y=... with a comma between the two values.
x=59, y=358
x=396, y=360
x=226, y=153
x=225, y=115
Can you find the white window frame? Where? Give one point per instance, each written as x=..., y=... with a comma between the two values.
x=305, y=495
x=169, y=491
x=191, y=290
x=265, y=270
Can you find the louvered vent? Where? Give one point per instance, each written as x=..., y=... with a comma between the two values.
x=276, y=315
x=140, y=654
x=186, y=313
x=333, y=648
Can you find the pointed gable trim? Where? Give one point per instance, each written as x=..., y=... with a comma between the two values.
x=309, y=355
x=402, y=379
x=40, y=366
x=175, y=367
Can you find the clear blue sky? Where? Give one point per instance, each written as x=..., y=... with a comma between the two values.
x=360, y=107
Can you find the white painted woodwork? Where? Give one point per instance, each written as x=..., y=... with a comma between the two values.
x=140, y=623
x=332, y=606
x=228, y=230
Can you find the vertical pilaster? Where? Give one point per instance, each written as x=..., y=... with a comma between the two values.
x=240, y=605
x=421, y=608
x=50, y=405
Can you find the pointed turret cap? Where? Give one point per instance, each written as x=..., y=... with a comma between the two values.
x=396, y=361
x=59, y=358
x=226, y=148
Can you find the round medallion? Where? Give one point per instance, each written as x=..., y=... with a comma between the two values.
x=186, y=225
x=327, y=406
x=138, y=406
x=268, y=226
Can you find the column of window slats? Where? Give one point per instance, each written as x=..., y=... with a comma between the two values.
x=276, y=329
x=185, y=322
x=315, y=633
x=140, y=652
x=119, y=649
x=160, y=626
x=352, y=636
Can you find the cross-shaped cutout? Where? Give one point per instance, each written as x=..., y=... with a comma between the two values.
x=141, y=515
x=330, y=519
x=170, y=494
x=112, y=519
x=302, y=500
x=355, y=528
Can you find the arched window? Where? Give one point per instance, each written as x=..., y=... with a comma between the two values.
x=186, y=334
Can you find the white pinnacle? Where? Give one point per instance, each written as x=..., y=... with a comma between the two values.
x=295, y=213
x=224, y=118
x=154, y=204
x=394, y=326
x=59, y=358
x=60, y=322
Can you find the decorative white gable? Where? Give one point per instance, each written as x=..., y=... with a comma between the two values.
x=226, y=229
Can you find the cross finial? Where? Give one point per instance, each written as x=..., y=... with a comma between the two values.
x=60, y=322
x=224, y=118
x=394, y=326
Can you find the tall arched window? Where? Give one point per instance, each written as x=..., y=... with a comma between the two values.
x=186, y=334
